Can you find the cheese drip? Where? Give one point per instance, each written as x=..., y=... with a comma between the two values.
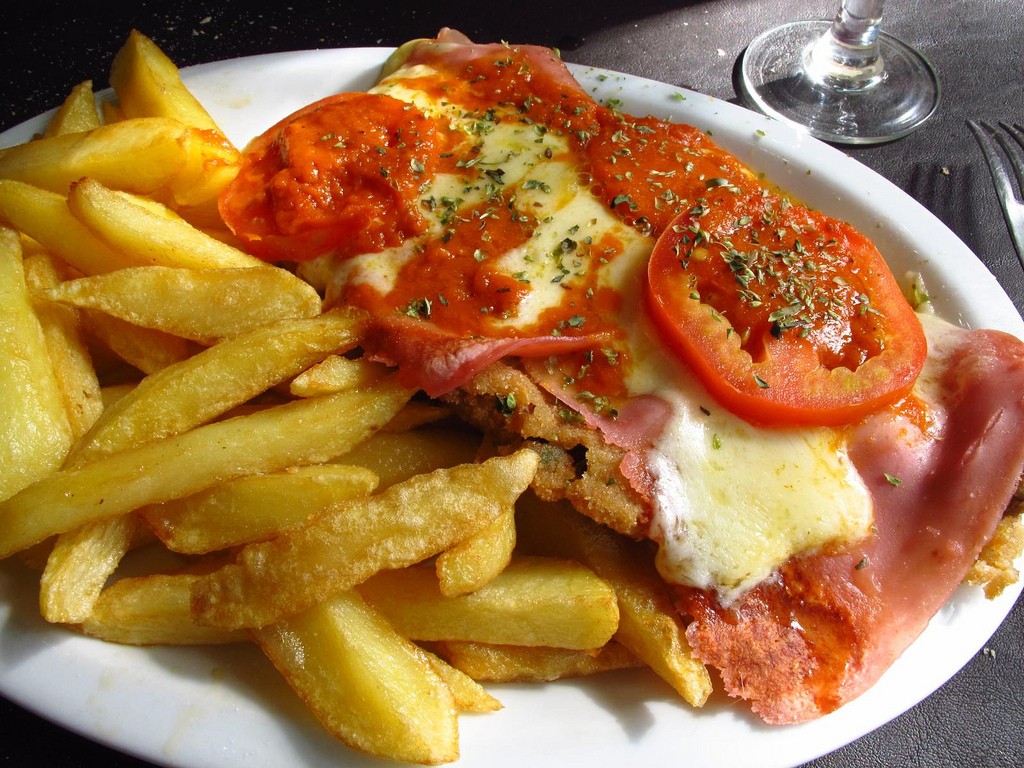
x=734, y=501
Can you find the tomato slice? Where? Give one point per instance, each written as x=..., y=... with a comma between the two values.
x=336, y=177
x=787, y=316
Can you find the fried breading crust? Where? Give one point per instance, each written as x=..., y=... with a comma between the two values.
x=576, y=462
x=994, y=570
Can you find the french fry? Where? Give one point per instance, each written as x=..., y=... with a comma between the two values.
x=344, y=546
x=148, y=232
x=535, y=601
x=368, y=686
x=475, y=562
x=44, y=216
x=334, y=374
x=419, y=413
x=110, y=112
x=469, y=695
x=398, y=456
x=140, y=155
x=203, y=305
x=254, y=508
x=148, y=84
x=72, y=364
x=152, y=610
x=111, y=393
x=78, y=113
x=79, y=566
x=156, y=156
x=649, y=624
x=81, y=561
x=301, y=432
x=210, y=383
x=520, y=664
x=35, y=434
x=146, y=349
x=211, y=164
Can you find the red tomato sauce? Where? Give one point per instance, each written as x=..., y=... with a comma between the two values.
x=453, y=280
x=350, y=175
x=340, y=176
x=648, y=170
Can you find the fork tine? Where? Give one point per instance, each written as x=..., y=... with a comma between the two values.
x=985, y=134
x=1013, y=210
x=1015, y=155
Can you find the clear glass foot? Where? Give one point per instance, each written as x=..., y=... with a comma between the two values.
x=843, y=81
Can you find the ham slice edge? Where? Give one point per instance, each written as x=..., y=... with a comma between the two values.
x=828, y=626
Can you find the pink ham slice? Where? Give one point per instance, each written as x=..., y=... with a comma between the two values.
x=436, y=361
x=453, y=51
x=634, y=428
x=822, y=632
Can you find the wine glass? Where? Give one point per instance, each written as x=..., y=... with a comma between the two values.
x=843, y=81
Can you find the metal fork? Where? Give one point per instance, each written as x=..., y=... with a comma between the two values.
x=1001, y=148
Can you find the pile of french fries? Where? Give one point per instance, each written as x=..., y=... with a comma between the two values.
x=169, y=396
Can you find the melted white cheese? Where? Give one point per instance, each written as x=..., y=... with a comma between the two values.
x=379, y=269
x=734, y=501
x=571, y=222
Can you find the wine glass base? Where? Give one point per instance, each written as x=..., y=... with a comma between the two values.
x=772, y=80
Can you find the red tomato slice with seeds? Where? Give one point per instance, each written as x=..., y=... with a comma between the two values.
x=787, y=316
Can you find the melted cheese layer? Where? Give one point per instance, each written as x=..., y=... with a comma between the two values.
x=734, y=501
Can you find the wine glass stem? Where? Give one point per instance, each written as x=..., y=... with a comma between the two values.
x=847, y=57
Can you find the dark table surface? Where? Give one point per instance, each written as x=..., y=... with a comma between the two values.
x=977, y=718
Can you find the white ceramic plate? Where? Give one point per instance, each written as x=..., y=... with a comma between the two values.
x=228, y=707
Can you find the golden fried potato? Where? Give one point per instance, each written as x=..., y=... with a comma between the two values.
x=78, y=112
x=156, y=156
x=346, y=545
x=395, y=456
x=208, y=384
x=254, y=508
x=204, y=305
x=522, y=664
x=367, y=685
x=65, y=339
x=301, y=432
x=475, y=562
x=649, y=625
x=44, y=216
x=535, y=601
x=79, y=566
x=469, y=695
x=141, y=155
x=148, y=84
x=334, y=374
x=35, y=434
x=145, y=349
x=147, y=232
x=152, y=610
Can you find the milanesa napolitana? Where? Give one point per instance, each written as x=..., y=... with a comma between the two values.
x=706, y=362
